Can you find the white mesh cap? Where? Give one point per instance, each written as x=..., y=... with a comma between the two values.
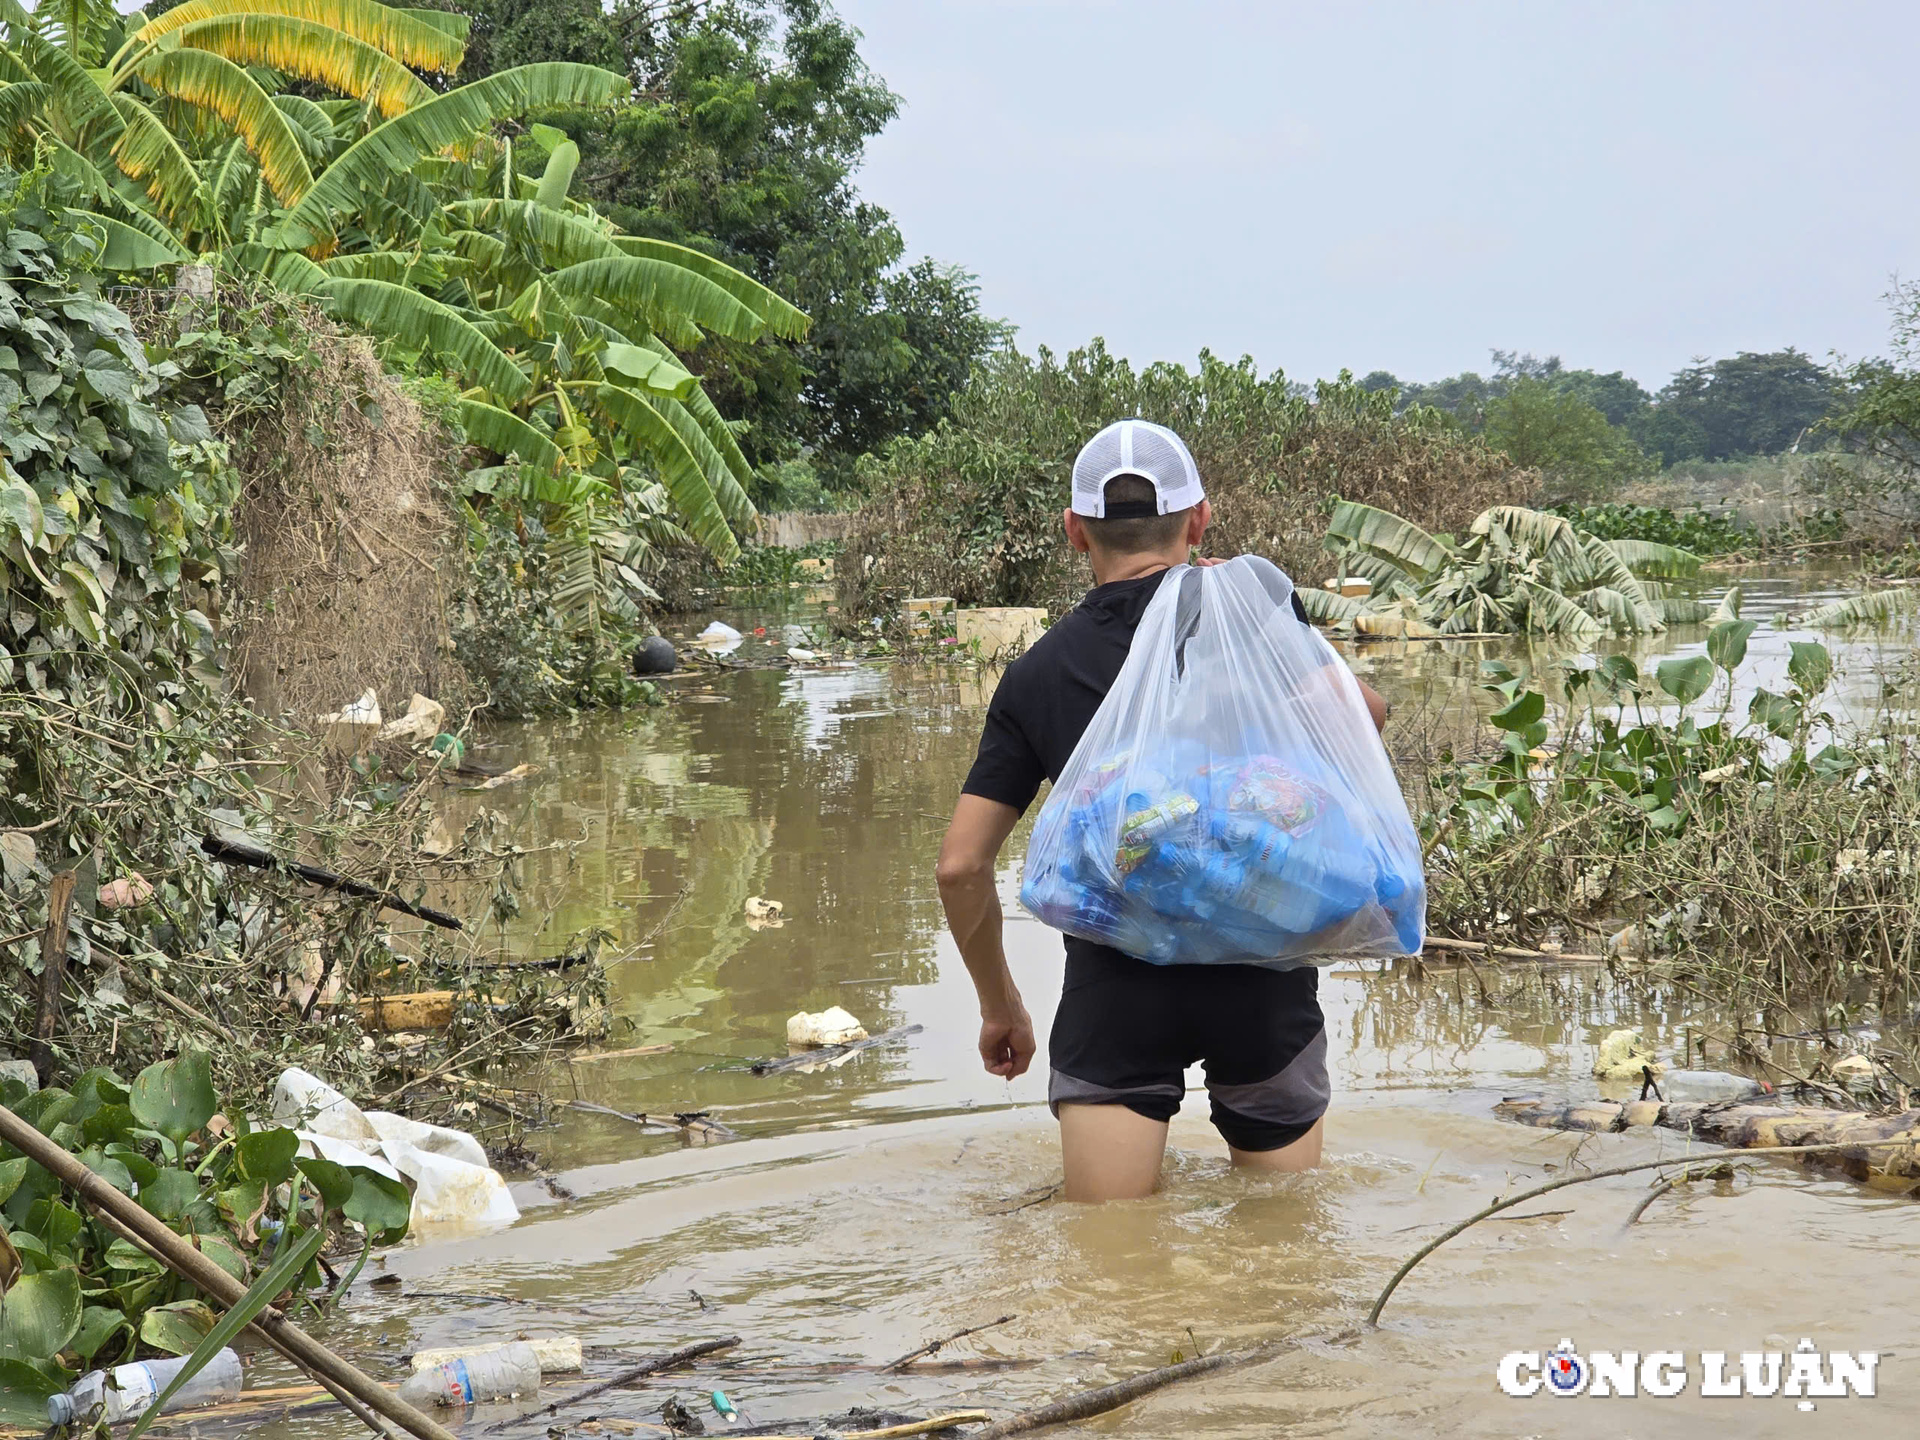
x=1135, y=447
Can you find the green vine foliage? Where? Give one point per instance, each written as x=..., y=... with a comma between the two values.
x=112, y=499
x=78, y=1295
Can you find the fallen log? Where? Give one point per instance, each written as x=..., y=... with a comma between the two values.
x=1744, y=1125
x=413, y=1010
x=236, y=852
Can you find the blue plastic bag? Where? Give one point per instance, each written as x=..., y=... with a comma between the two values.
x=1231, y=802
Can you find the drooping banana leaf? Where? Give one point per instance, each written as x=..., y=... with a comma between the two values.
x=505, y=433
x=1549, y=535
x=448, y=120
x=1551, y=613
x=1729, y=606
x=312, y=52
x=418, y=321
x=413, y=41
x=559, y=238
x=215, y=83
x=147, y=152
x=1324, y=607
x=680, y=471
x=1610, y=571
x=1875, y=607
x=668, y=296
x=782, y=318
x=21, y=102
x=129, y=249
x=1386, y=578
x=1664, y=562
x=1385, y=535
x=1680, y=610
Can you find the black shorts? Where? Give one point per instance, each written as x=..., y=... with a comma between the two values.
x=1126, y=1031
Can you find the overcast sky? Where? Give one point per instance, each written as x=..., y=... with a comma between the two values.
x=1404, y=186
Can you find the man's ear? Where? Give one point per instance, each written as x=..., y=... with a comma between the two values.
x=1198, y=521
x=1076, y=532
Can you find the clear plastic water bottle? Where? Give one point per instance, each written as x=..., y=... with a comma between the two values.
x=499, y=1374
x=126, y=1391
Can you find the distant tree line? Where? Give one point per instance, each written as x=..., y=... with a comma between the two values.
x=1586, y=427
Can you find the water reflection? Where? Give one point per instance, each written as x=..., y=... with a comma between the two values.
x=832, y=1239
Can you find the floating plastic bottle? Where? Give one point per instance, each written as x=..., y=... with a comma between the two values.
x=499, y=1374
x=126, y=1391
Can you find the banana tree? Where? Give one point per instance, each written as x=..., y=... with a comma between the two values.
x=1516, y=571
x=397, y=209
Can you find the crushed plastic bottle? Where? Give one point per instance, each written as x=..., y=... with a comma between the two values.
x=503, y=1373
x=1709, y=1085
x=127, y=1390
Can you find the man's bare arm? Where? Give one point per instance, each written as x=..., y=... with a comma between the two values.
x=1376, y=704
x=968, y=856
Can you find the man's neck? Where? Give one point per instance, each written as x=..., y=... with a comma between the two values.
x=1132, y=567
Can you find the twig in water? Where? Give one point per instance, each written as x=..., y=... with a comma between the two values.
x=1026, y=1199
x=934, y=1347
x=1111, y=1397
x=1711, y=1172
x=687, y=1121
x=774, y=1064
x=625, y=1377
x=1373, y=1315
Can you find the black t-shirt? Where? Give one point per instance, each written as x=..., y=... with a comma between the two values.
x=1047, y=698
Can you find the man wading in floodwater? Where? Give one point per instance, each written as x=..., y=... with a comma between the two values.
x=1126, y=1030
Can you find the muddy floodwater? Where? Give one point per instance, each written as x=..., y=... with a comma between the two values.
x=880, y=1204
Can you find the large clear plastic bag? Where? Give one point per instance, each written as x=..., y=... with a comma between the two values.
x=1231, y=802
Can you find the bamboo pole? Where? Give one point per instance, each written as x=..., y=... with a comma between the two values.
x=180, y=1257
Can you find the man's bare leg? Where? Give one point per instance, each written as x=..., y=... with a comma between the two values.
x=1302, y=1154
x=1111, y=1152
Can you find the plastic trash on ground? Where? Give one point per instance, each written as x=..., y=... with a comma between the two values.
x=557, y=1354
x=826, y=1027
x=453, y=1185
x=452, y=1192
x=1710, y=1085
x=424, y=719
x=435, y=1139
x=499, y=1374
x=1231, y=801
x=134, y=1387
x=352, y=727
x=326, y=1147
x=306, y=1102
x=1625, y=1055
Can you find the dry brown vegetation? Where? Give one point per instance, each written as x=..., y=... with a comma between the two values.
x=347, y=544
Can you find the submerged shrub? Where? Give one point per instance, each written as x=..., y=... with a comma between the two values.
x=972, y=509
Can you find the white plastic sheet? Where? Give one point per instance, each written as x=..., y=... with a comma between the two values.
x=1231, y=802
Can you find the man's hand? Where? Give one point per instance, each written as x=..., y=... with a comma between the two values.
x=1006, y=1042
x=967, y=857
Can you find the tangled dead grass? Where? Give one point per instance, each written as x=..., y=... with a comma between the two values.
x=348, y=545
